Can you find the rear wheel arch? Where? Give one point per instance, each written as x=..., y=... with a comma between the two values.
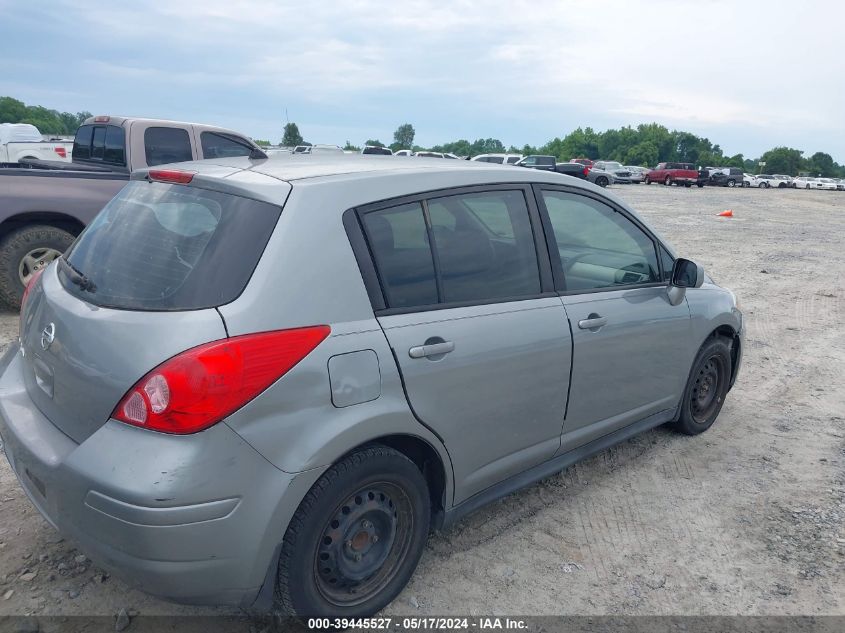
x=426, y=458
x=61, y=221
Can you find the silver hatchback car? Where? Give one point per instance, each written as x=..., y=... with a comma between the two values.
x=262, y=382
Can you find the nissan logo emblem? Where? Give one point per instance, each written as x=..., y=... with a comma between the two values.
x=47, y=336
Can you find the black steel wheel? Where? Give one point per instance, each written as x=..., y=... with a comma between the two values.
x=707, y=393
x=707, y=386
x=356, y=538
x=363, y=544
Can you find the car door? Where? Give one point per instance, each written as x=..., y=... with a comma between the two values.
x=631, y=346
x=478, y=332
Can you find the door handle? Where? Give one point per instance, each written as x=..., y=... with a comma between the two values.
x=592, y=322
x=432, y=349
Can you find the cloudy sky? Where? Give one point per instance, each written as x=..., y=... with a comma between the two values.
x=748, y=75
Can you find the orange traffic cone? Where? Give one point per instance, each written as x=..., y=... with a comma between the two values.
x=727, y=213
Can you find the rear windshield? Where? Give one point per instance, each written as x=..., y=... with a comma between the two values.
x=102, y=143
x=159, y=246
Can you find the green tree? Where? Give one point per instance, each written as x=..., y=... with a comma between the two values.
x=11, y=110
x=349, y=147
x=644, y=154
x=783, y=160
x=291, y=136
x=261, y=143
x=821, y=163
x=374, y=143
x=403, y=137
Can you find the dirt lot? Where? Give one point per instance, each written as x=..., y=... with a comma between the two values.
x=748, y=518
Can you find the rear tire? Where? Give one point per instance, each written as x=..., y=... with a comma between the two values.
x=707, y=386
x=25, y=252
x=356, y=538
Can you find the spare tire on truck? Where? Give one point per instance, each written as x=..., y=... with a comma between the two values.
x=25, y=251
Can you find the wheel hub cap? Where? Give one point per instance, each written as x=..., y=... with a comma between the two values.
x=35, y=260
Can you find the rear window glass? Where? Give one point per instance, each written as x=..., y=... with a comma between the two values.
x=115, y=145
x=82, y=143
x=399, y=240
x=98, y=145
x=157, y=246
x=377, y=150
x=166, y=145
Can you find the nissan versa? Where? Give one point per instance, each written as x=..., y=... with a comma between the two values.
x=258, y=382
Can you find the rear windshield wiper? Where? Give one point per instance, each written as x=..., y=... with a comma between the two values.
x=78, y=278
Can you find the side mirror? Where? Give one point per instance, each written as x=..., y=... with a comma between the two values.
x=685, y=274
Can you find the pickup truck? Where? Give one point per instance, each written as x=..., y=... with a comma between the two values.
x=23, y=142
x=678, y=173
x=549, y=163
x=45, y=206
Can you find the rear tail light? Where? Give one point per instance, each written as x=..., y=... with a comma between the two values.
x=201, y=386
x=171, y=175
x=61, y=151
x=29, y=286
x=586, y=171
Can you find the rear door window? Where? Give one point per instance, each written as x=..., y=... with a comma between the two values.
x=158, y=246
x=473, y=247
x=219, y=146
x=484, y=246
x=166, y=145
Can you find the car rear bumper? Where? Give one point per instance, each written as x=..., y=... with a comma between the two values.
x=192, y=519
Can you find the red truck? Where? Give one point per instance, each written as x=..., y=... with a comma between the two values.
x=679, y=173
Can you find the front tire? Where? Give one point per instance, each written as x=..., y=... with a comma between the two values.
x=731, y=183
x=707, y=386
x=601, y=181
x=25, y=252
x=356, y=538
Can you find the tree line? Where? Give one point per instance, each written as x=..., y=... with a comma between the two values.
x=646, y=144
x=47, y=121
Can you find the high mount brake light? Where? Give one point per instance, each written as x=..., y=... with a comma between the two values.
x=199, y=387
x=101, y=119
x=171, y=175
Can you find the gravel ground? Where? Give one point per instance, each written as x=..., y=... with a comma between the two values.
x=748, y=518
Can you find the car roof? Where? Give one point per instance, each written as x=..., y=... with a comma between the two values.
x=271, y=179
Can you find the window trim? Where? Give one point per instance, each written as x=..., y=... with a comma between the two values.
x=353, y=223
x=554, y=254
